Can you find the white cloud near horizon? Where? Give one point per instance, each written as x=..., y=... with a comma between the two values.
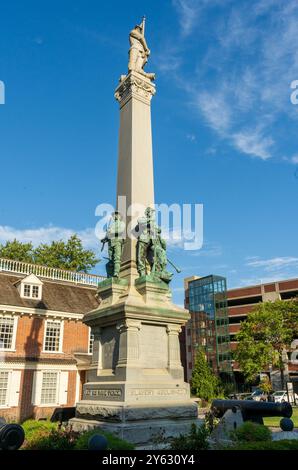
x=274, y=264
x=47, y=235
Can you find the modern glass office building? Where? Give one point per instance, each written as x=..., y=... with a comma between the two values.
x=209, y=324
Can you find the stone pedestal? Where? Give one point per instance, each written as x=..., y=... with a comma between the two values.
x=135, y=380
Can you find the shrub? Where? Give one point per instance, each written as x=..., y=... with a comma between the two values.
x=53, y=440
x=44, y=435
x=33, y=428
x=252, y=432
x=267, y=445
x=114, y=442
x=204, y=383
x=196, y=439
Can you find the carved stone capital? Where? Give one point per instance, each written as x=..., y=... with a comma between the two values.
x=173, y=329
x=129, y=325
x=134, y=85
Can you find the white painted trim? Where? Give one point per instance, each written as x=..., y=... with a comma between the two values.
x=34, y=366
x=63, y=387
x=11, y=309
x=78, y=383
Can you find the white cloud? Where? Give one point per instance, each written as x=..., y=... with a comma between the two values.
x=253, y=143
x=241, y=84
x=188, y=11
x=274, y=264
x=215, y=110
x=47, y=235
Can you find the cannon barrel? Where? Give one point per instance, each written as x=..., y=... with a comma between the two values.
x=11, y=436
x=252, y=410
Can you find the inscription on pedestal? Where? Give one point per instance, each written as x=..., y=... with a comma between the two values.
x=157, y=392
x=99, y=393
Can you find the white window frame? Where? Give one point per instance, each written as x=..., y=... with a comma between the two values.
x=61, y=388
x=56, y=402
x=14, y=333
x=31, y=285
x=6, y=405
x=60, y=350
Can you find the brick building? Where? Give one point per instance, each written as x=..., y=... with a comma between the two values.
x=240, y=303
x=45, y=348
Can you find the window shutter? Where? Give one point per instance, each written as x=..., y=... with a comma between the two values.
x=14, y=388
x=63, y=388
x=36, y=389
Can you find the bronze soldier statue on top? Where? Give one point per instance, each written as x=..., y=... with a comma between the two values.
x=152, y=249
x=115, y=236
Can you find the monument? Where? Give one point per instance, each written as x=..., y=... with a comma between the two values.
x=135, y=386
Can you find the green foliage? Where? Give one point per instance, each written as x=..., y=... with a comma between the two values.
x=53, y=440
x=204, y=383
x=67, y=255
x=262, y=338
x=267, y=445
x=44, y=435
x=33, y=428
x=114, y=442
x=252, y=432
x=17, y=251
x=196, y=439
x=265, y=385
x=59, y=254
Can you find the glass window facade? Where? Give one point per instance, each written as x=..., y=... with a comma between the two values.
x=209, y=321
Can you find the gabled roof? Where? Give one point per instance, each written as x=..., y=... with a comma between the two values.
x=57, y=296
x=30, y=279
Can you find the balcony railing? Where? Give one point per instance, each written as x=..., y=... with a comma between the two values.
x=56, y=274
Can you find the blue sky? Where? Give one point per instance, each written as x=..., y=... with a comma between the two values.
x=224, y=128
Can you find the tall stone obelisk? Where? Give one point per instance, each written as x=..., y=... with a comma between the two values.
x=135, y=162
x=135, y=383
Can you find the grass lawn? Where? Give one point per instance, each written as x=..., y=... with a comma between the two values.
x=275, y=421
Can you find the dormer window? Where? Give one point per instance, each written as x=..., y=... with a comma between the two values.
x=31, y=291
x=30, y=287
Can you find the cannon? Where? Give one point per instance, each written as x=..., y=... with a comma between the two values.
x=252, y=410
x=63, y=414
x=11, y=436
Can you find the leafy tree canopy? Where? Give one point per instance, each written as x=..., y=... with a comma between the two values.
x=17, y=251
x=265, y=335
x=59, y=254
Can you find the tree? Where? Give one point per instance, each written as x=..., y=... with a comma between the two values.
x=17, y=251
x=66, y=255
x=204, y=383
x=59, y=254
x=265, y=335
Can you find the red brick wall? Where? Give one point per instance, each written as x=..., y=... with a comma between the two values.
x=286, y=285
x=30, y=335
x=241, y=310
x=29, y=345
x=269, y=288
x=244, y=292
x=234, y=328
